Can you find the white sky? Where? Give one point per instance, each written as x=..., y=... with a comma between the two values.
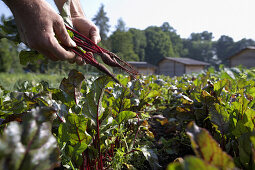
x=235, y=18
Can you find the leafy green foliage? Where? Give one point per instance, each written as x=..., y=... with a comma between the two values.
x=143, y=123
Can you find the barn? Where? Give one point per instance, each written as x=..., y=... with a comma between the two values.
x=143, y=67
x=178, y=66
x=245, y=57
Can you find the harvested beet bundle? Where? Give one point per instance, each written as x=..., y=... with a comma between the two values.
x=85, y=45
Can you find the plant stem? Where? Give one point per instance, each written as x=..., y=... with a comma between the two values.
x=100, y=161
x=138, y=122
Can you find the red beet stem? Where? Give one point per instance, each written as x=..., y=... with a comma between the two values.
x=78, y=40
x=82, y=56
x=87, y=39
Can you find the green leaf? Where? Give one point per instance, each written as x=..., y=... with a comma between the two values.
x=245, y=150
x=93, y=100
x=74, y=130
x=124, y=116
x=207, y=148
x=151, y=157
x=26, y=57
x=218, y=86
x=175, y=166
x=220, y=117
x=66, y=13
x=72, y=85
x=72, y=135
x=191, y=163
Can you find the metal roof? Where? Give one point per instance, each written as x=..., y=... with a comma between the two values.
x=186, y=61
x=242, y=50
x=141, y=64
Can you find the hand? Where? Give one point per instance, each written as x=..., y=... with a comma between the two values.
x=41, y=28
x=81, y=23
x=87, y=28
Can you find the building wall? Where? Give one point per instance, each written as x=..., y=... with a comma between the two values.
x=146, y=71
x=246, y=58
x=170, y=68
x=179, y=69
x=166, y=67
x=193, y=69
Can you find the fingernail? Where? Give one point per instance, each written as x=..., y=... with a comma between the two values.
x=73, y=43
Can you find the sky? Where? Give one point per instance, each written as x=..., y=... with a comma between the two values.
x=234, y=18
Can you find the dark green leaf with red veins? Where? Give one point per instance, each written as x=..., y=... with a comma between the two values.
x=29, y=145
x=207, y=148
x=73, y=133
x=72, y=85
x=26, y=57
x=93, y=100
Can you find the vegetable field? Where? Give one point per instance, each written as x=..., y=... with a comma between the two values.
x=202, y=121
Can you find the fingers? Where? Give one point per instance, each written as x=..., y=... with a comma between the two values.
x=94, y=35
x=48, y=45
x=62, y=34
x=55, y=48
x=79, y=61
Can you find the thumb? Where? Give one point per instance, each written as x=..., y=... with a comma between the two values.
x=94, y=35
x=62, y=35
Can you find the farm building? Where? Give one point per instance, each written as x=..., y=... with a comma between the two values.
x=245, y=57
x=143, y=67
x=178, y=66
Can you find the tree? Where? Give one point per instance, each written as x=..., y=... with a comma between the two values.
x=176, y=40
x=139, y=42
x=243, y=43
x=101, y=20
x=167, y=28
x=121, y=26
x=224, y=48
x=122, y=45
x=159, y=45
x=204, y=36
x=200, y=47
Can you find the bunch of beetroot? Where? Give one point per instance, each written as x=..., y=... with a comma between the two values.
x=85, y=48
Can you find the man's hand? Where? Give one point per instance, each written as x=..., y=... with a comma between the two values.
x=41, y=28
x=81, y=23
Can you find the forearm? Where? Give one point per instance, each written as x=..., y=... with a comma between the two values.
x=76, y=9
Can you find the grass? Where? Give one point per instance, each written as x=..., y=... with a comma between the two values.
x=10, y=81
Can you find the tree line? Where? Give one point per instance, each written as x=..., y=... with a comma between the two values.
x=154, y=42
x=131, y=44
